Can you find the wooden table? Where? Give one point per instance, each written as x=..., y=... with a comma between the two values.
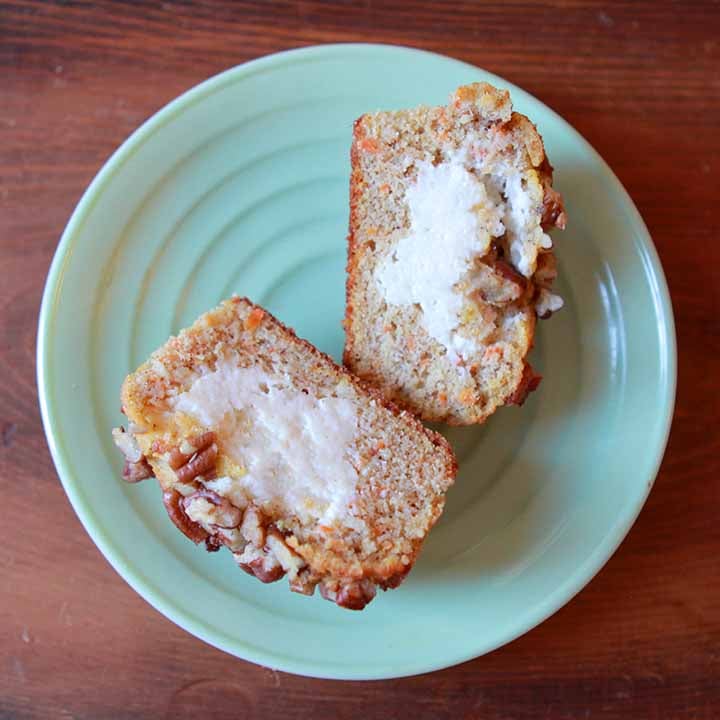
x=641, y=81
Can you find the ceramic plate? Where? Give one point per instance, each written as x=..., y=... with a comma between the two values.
x=241, y=186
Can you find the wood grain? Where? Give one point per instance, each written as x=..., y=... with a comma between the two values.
x=641, y=80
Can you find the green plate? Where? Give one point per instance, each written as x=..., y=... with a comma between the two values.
x=241, y=186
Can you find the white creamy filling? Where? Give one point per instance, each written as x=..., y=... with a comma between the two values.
x=517, y=218
x=296, y=448
x=453, y=217
x=454, y=214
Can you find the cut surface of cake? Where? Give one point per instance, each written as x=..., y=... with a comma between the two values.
x=263, y=445
x=449, y=260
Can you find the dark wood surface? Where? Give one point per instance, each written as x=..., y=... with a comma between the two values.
x=641, y=81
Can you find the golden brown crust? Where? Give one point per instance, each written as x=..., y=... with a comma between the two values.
x=352, y=257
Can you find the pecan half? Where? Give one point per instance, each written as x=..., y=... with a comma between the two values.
x=232, y=539
x=172, y=500
x=180, y=455
x=528, y=383
x=201, y=464
x=353, y=595
x=194, y=457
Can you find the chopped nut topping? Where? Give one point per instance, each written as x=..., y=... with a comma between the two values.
x=231, y=538
x=136, y=466
x=353, y=595
x=394, y=580
x=172, y=501
x=290, y=562
x=553, y=210
x=211, y=511
x=252, y=527
x=528, y=383
x=260, y=564
x=135, y=472
x=126, y=444
x=179, y=456
x=304, y=583
x=200, y=464
x=194, y=458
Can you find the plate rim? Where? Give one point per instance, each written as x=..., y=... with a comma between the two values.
x=582, y=575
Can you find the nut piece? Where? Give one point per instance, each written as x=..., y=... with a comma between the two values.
x=126, y=444
x=252, y=527
x=546, y=270
x=208, y=509
x=553, y=209
x=180, y=455
x=353, y=595
x=290, y=561
x=218, y=517
x=394, y=580
x=194, y=457
x=260, y=564
x=497, y=282
x=528, y=383
x=193, y=531
x=200, y=464
x=136, y=471
x=304, y=583
x=509, y=273
x=232, y=539
x=136, y=466
x=546, y=302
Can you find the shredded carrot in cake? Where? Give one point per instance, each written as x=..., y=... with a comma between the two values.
x=254, y=318
x=369, y=145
